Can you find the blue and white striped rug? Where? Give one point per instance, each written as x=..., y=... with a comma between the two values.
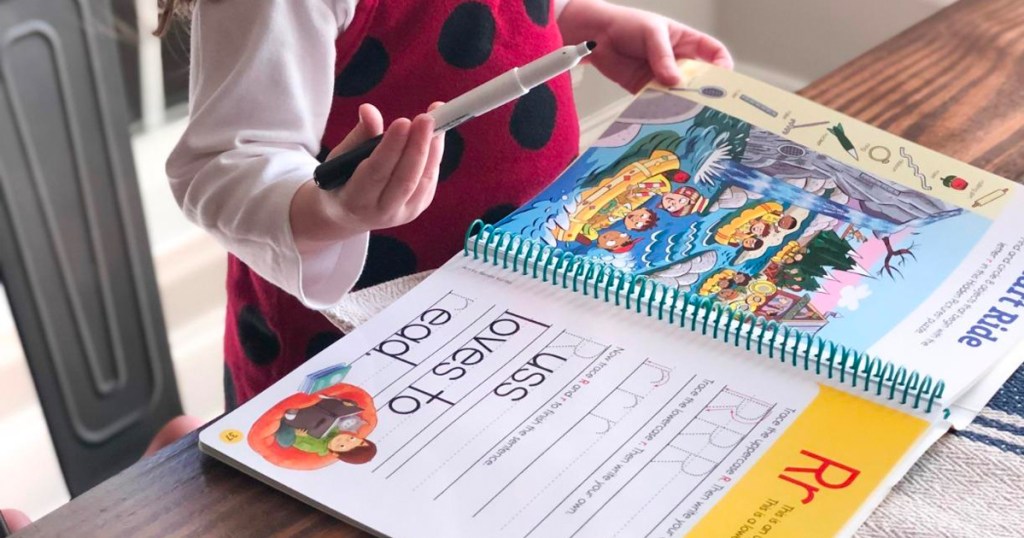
x=970, y=484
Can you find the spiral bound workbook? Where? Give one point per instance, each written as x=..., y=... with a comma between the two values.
x=737, y=314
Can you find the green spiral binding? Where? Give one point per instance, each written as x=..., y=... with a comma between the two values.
x=632, y=292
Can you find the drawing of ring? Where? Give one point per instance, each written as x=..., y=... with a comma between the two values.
x=884, y=158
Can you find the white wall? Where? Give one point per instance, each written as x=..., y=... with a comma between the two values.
x=789, y=43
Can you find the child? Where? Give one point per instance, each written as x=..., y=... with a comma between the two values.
x=326, y=427
x=763, y=227
x=641, y=220
x=351, y=448
x=638, y=220
x=276, y=84
x=616, y=242
x=680, y=202
x=311, y=431
x=751, y=243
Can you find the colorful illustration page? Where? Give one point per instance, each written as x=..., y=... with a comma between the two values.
x=486, y=403
x=735, y=190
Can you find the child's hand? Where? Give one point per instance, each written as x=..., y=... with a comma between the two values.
x=398, y=181
x=390, y=188
x=635, y=46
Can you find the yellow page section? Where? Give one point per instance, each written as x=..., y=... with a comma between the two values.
x=865, y=147
x=816, y=476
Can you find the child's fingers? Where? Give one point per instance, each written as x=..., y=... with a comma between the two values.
x=371, y=118
x=371, y=177
x=717, y=51
x=16, y=520
x=712, y=50
x=660, y=55
x=371, y=124
x=436, y=152
x=431, y=175
x=690, y=43
x=627, y=71
x=409, y=168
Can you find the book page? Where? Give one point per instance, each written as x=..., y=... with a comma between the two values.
x=733, y=190
x=487, y=403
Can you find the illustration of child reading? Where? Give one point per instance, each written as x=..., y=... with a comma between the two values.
x=311, y=431
x=320, y=429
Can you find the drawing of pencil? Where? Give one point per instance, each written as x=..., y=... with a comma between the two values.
x=990, y=197
x=844, y=141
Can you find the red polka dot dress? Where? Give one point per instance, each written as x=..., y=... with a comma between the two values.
x=402, y=56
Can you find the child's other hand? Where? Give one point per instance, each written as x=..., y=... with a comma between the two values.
x=390, y=188
x=636, y=46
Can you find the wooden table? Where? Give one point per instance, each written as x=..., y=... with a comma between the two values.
x=954, y=83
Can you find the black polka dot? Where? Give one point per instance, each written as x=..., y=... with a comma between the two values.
x=453, y=147
x=320, y=342
x=533, y=118
x=324, y=152
x=467, y=36
x=539, y=11
x=496, y=213
x=364, y=71
x=258, y=340
x=230, y=396
x=387, y=258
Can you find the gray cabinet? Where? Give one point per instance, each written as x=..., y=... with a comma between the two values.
x=74, y=257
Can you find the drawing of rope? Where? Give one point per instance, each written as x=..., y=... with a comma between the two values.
x=917, y=170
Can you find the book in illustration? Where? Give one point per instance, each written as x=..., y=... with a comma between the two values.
x=711, y=204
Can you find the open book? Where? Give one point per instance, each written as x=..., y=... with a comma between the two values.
x=738, y=314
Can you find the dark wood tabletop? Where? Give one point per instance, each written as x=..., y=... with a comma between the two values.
x=953, y=83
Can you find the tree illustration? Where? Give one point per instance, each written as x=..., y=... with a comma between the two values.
x=895, y=258
x=825, y=252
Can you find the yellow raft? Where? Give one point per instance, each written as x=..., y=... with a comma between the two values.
x=735, y=229
x=592, y=200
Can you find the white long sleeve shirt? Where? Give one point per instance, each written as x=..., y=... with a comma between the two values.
x=261, y=86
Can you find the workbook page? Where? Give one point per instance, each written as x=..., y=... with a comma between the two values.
x=744, y=194
x=486, y=403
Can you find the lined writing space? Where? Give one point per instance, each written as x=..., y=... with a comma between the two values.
x=506, y=407
x=540, y=418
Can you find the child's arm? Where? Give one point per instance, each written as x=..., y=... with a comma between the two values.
x=262, y=81
x=636, y=46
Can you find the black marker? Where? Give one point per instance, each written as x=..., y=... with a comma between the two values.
x=480, y=100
